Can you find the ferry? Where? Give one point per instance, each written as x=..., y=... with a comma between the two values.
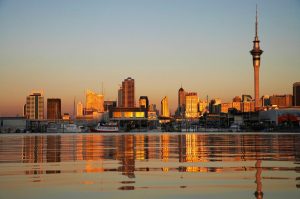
x=107, y=127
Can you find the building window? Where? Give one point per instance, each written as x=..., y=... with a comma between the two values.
x=139, y=114
x=128, y=114
x=117, y=114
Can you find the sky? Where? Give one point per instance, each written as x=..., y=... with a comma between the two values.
x=64, y=47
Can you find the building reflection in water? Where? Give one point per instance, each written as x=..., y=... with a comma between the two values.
x=177, y=152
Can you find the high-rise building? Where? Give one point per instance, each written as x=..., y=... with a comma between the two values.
x=191, y=105
x=35, y=106
x=128, y=94
x=256, y=52
x=181, y=101
x=79, y=109
x=215, y=106
x=94, y=101
x=281, y=100
x=246, y=98
x=120, y=97
x=144, y=102
x=296, y=94
x=53, y=109
x=165, y=112
x=108, y=105
x=265, y=100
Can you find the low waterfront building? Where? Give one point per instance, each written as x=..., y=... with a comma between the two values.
x=132, y=117
x=281, y=116
x=12, y=124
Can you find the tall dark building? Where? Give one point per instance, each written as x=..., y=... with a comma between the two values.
x=296, y=94
x=256, y=52
x=128, y=94
x=53, y=109
x=144, y=102
x=108, y=105
x=181, y=101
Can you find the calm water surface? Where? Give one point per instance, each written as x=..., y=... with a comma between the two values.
x=160, y=165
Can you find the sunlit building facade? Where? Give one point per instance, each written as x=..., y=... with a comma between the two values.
x=225, y=107
x=165, y=112
x=128, y=93
x=53, y=109
x=281, y=100
x=35, y=106
x=203, y=106
x=94, y=101
x=79, y=109
x=191, y=105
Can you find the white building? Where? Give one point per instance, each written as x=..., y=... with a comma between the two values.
x=35, y=106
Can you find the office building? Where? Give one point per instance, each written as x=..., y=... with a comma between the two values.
x=181, y=101
x=120, y=97
x=144, y=102
x=215, y=106
x=256, y=53
x=191, y=105
x=79, y=109
x=165, y=112
x=128, y=94
x=53, y=109
x=296, y=94
x=94, y=101
x=281, y=100
x=265, y=100
x=108, y=105
x=225, y=107
x=35, y=106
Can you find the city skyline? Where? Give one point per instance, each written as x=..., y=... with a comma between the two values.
x=203, y=46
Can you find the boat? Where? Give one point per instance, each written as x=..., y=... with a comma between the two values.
x=235, y=127
x=63, y=128
x=106, y=127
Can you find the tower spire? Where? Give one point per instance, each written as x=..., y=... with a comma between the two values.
x=256, y=25
x=256, y=52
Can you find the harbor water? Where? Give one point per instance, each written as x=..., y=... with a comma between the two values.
x=150, y=165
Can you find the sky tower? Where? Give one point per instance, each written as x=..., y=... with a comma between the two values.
x=256, y=52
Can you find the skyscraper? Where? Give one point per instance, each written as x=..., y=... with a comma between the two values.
x=144, y=102
x=191, y=107
x=79, y=109
x=256, y=52
x=120, y=97
x=94, y=101
x=53, y=109
x=35, y=106
x=296, y=93
x=165, y=107
x=181, y=101
x=128, y=94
